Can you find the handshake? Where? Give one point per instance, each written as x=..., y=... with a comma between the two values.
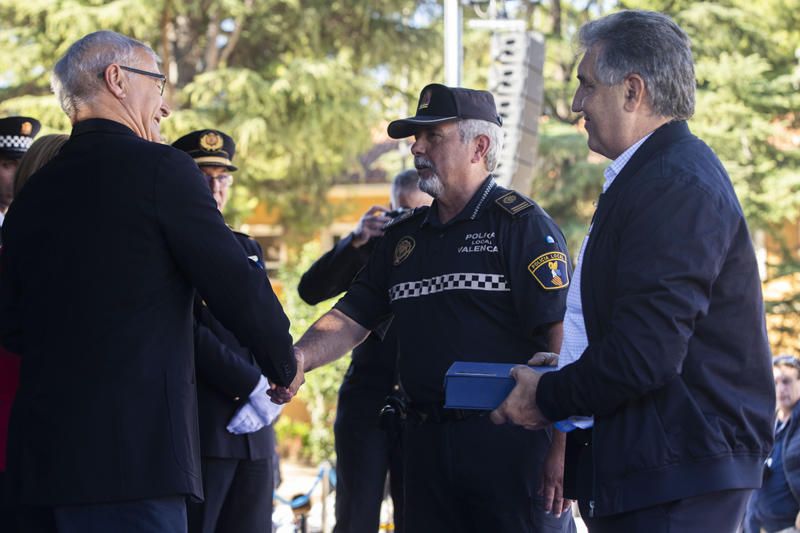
x=266, y=402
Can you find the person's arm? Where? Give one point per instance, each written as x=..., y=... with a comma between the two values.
x=333, y=273
x=208, y=255
x=671, y=251
x=329, y=338
x=217, y=364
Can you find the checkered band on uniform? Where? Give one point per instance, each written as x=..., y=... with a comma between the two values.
x=15, y=143
x=448, y=282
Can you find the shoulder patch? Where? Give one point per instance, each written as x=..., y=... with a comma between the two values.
x=550, y=270
x=403, y=217
x=513, y=203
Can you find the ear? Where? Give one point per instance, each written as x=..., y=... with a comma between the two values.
x=635, y=90
x=115, y=82
x=480, y=148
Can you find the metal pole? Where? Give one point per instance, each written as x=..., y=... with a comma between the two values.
x=452, y=43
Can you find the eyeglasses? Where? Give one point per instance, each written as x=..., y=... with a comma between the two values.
x=789, y=360
x=225, y=180
x=157, y=75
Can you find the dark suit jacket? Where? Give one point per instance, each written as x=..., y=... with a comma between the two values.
x=226, y=375
x=677, y=372
x=102, y=252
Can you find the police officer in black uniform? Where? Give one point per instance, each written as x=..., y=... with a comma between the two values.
x=365, y=450
x=237, y=468
x=479, y=276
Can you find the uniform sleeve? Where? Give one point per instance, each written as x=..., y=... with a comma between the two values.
x=367, y=300
x=538, y=268
x=671, y=250
x=332, y=273
x=205, y=249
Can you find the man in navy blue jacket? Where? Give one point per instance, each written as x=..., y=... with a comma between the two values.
x=665, y=323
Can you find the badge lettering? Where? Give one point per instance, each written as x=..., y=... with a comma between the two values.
x=479, y=242
x=550, y=270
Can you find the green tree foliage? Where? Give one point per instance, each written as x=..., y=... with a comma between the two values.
x=301, y=84
x=322, y=385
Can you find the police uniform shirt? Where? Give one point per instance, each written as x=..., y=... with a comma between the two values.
x=482, y=287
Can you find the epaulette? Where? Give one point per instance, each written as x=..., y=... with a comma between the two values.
x=513, y=203
x=405, y=216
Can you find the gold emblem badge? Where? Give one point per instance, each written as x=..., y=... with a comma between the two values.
x=510, y=199
x=211, y=142
x=26, y=128
x=403, y=249
x=425, y=101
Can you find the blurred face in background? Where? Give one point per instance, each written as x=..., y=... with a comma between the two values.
x=787, y=386
x=219, y=181
x=7, y=169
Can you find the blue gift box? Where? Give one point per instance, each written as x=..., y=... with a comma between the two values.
x=481, y=386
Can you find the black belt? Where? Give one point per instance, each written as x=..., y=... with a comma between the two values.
x=436, y=414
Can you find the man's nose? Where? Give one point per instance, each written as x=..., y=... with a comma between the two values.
x=165, y=110
x=577, y=102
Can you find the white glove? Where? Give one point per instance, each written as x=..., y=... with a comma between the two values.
x=256, y=413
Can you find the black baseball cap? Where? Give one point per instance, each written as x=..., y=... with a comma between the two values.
x=439, y=103
x=208, y=148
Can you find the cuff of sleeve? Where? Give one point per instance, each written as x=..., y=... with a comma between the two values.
x=351, y=311
x=548, y=398
x=261, y=387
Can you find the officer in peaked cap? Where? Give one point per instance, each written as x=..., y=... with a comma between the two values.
x=16, y=136
x=237, y=468
x=213, y=152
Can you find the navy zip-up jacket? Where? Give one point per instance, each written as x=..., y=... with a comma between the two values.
x=678, y=370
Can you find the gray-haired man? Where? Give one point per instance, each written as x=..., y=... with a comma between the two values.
x=664, y=322
x=96, y=296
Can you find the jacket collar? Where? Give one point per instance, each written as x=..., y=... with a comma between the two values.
x=664, y=136
x=100, y=125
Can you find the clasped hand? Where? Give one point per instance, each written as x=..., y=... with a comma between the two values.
x=520, y=406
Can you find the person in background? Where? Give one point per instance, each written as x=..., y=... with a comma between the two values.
x=16, y=136
x=365, y=451
x=40, y=152
x=237, y=467
x=775, y=507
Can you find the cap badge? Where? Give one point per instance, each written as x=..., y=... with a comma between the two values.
x=211, y=142
x=425, y=101
x=403, y=249
x=26, y=128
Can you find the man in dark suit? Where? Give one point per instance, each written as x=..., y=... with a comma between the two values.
x=365, y=451
x=664, y=327
x=237, y=468
x=96, y=295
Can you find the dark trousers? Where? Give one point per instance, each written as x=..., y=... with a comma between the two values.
x=364, y=454
x=158, y=515
x=471, y=475
x=238, y=497
x=717, y=512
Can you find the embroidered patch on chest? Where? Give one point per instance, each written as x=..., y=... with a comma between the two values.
x=478, y=243
x=403, y=249
x=550, y=270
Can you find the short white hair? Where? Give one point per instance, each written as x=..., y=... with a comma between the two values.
x=470, y=128
x=77, y=77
